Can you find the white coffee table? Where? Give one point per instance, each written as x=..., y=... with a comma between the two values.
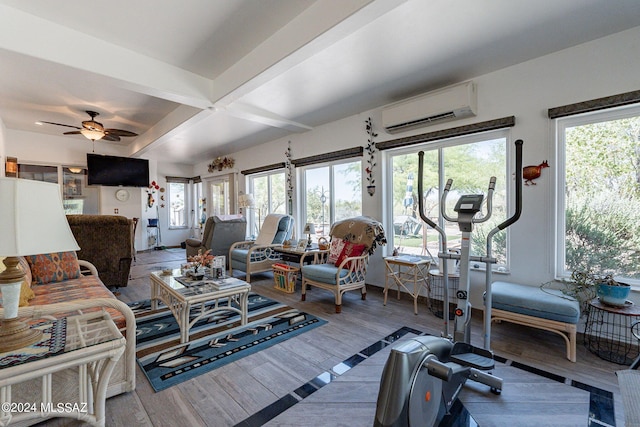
x=187, y=301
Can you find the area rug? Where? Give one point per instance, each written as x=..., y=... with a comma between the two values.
x=214, y=342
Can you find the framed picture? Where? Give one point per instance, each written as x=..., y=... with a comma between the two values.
x=302, y=245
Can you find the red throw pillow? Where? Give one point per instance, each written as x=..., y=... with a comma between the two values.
x=335, y=250
x=350, y=250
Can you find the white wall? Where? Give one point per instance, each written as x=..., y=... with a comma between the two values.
x=599, y=68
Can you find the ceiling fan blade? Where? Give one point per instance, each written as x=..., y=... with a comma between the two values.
x=73, y=132
x=60, y=124
x=110, y=137
x=120, y=132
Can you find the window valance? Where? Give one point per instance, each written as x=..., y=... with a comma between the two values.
x=178, y=179
x=329, y=157
x=489, y=125
x=595, y=104
x=260, y=169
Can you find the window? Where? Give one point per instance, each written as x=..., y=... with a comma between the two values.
x=331, y=193
x=269, y=194
x=598, y=193
x=177, y=204
x=470, y=161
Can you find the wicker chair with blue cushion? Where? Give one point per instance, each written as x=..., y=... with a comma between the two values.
x=343, y=267
x=255, y=256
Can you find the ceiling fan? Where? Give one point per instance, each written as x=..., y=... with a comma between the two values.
x=93, y=130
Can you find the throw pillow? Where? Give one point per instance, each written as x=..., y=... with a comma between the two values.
x=335, y=250
x=55, y=267
x=25, y=290
x=350, y=250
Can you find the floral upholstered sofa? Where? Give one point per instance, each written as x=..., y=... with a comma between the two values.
x=60, y=285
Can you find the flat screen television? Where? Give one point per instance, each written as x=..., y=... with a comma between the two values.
x=117, y=171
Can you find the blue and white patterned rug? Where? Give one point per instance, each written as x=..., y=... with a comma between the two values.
x=214, y=342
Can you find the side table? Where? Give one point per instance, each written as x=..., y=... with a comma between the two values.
x=292, y=254
x=93, y=344
x=436, y=293
x=608, y=334
x=406, y=271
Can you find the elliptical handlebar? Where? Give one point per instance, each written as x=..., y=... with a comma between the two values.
x=443, y=202
x=488, y=300
x=421, y=202
x=489, y=199
x=516, y=214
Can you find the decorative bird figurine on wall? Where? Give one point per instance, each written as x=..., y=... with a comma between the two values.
x=529, y=173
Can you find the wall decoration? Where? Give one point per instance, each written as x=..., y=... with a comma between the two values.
x=371, y=150
x=151, y=191
x=529, y=173
x=220, y=163
x=289, y=167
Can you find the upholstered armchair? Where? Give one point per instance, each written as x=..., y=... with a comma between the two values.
x=255, y=256
x=105, y=241
x=220, y=232
x=343, y=267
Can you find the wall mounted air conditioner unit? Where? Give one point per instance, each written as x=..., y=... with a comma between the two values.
x=451, y=103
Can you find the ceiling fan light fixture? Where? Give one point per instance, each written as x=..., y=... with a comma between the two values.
x=93, y=135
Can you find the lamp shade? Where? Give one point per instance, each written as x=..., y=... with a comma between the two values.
x=32, y=219
x=91, y=134
x=246, y=201
x=309, y=228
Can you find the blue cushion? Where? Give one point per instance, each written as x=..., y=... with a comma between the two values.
x=549, y=304
x=285, y=226
x=324, y=273
x=241, y=255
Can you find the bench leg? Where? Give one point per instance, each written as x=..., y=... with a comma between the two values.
x=567, y=331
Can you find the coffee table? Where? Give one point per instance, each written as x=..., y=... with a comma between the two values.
x=188, y=302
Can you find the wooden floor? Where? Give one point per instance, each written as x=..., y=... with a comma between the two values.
x=234, y=393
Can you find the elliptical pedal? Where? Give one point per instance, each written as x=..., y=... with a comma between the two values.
x=474, y=357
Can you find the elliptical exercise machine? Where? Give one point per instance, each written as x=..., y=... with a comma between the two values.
x=424, y=375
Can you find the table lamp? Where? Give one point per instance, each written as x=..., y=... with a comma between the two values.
x=32, y=222
x=309, y=229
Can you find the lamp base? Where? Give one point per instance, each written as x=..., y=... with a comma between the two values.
x=15, y=334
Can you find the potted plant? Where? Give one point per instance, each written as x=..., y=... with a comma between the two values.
x=584, y=286
x=612, y=292
x=199, y=262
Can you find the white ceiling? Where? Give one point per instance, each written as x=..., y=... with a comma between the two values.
x=201, y=78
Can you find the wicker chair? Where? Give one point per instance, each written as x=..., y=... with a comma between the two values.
x=255, y=256
x=349, y=273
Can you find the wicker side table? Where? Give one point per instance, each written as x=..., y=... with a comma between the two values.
x=608, y=334
x=409, y=273
x=92, y=346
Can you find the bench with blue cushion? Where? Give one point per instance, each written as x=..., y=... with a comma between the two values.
x=547, y=309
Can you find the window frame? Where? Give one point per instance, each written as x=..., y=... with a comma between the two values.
x=250, y=213
x=302, y=187
x=439, y=145
x=559, y=212
x=185, y=192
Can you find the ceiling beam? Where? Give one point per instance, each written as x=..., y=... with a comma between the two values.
x=319, y=26
x=33, y=36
